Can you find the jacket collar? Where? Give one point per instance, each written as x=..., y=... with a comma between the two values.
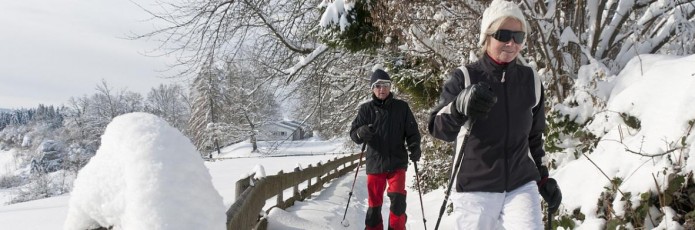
x=492, y=67
x=378, y=102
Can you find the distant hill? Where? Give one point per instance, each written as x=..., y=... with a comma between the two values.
x=5, y=110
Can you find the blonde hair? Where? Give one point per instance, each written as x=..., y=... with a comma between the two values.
x=495, y=26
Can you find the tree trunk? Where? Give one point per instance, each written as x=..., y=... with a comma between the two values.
x=253, y=142
x=217, y=146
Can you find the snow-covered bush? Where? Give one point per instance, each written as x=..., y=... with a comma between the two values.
x=38, y=186
x=50, y=157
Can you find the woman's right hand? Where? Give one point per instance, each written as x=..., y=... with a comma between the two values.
x=475, y=101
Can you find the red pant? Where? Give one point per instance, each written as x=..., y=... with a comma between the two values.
x=376, y=184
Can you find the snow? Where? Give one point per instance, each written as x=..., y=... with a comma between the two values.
x=336, y=13
x=7, y=163
x=659, y=94
x=145, y=175
x=655, y=89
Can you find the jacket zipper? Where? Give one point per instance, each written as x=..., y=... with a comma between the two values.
x=506, y=136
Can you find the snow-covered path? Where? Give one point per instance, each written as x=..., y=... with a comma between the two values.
x=325, y=209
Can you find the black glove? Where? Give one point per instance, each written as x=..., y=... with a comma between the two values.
x=550, y=192
x=366, y=132
x=415, y=155
x=475, y=101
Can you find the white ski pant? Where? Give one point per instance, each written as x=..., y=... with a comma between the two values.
x=517, y=209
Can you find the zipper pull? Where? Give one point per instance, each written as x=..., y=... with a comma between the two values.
x=503, y=74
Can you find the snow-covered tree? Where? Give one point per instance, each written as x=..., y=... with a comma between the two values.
x=207, y=109
x=170, y=103
x=567, y=35
x=82, y=126
x=218, y=30
x=327, y=98
x=249, y=99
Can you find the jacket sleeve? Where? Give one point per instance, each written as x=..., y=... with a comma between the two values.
x=412, y=133
x=445, y=123
x=359, y=121
x=535, y=139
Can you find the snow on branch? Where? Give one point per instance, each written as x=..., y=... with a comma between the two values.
x=336, y=13
x=436, y=47
x=304, y=61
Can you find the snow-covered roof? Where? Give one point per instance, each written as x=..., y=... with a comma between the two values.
x=289, y=125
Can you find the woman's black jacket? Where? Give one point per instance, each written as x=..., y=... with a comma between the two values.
x=505, y=150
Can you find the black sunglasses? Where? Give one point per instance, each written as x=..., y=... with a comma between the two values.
x=506, y=35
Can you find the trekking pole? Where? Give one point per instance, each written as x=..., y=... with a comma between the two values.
x=344, y=222
x=453, y=173
x=422, y=207
x=550, y=219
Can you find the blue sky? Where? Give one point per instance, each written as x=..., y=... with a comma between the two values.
x=53, y=50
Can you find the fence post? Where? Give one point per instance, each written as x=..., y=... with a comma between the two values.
x=337, y=166
x=242, y=184
x=280, y=200
x=295, y=193
x=308, y=185
x=318, y=177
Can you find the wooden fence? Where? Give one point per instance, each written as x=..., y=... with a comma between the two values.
x=251, y=194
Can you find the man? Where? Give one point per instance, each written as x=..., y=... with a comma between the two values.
x=385, y=124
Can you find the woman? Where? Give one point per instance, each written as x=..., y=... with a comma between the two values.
x=501, y=171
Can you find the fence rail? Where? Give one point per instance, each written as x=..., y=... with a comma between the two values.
x=276, y=155
x=251, y=194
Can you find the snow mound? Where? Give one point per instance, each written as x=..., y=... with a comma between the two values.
x=145, y=175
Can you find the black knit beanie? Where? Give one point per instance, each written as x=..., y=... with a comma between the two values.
x=379, y=75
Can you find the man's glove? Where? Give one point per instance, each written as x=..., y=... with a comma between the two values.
x=550, y=192
x=366, y=132
x=415, y=155
x=475, y=101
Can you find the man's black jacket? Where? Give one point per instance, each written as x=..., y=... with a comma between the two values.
x=395, y=126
